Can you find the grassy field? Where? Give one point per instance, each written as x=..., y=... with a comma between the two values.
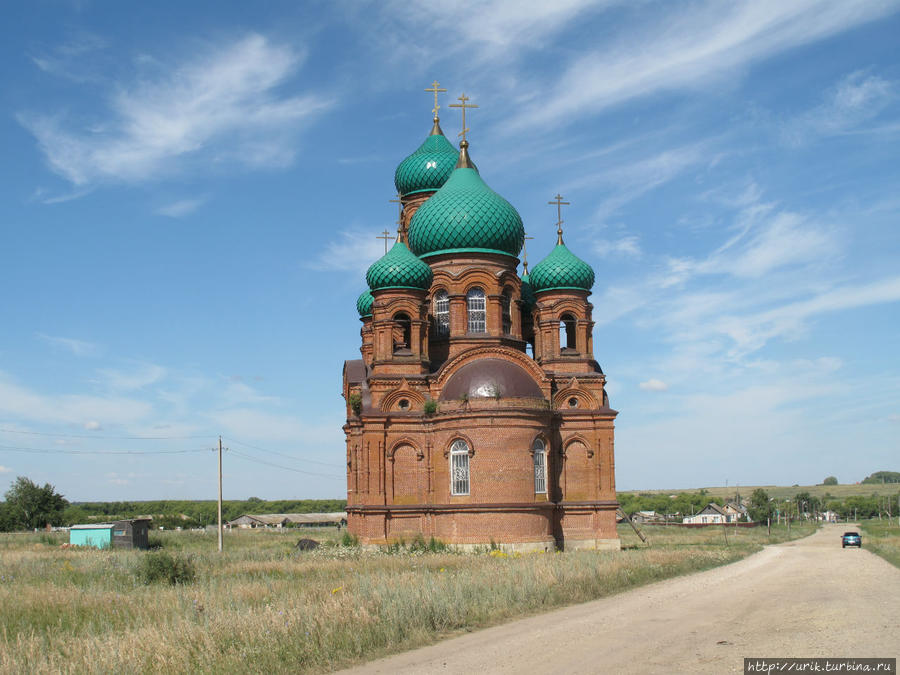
x=883, y=538
x=264, y=607
x=780, y=492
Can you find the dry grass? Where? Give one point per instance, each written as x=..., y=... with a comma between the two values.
x=260, y=603
x=883, y=538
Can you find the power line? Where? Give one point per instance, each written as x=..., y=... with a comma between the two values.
x=279, y=466
x=275, y=452
x=104, y=436
x=56, y=451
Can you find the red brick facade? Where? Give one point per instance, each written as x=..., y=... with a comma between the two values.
x=503, y=404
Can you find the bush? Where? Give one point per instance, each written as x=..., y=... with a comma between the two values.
x=430, y=406
x=349, y=540
x=157, y=567
x=355, y=401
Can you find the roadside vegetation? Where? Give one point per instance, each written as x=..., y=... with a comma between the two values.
x=882, y=537
x=265, y=603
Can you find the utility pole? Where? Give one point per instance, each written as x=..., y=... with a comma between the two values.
x=220, y=495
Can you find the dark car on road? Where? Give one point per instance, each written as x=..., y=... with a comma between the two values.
x=851, y=539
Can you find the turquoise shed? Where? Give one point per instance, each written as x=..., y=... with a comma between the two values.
x=98, y=536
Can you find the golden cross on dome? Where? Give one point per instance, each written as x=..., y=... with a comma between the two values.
x=386, y=235
x=525, y=253
x=559, y=221
x=398, y=200
x=434, y=88
x=463, y=105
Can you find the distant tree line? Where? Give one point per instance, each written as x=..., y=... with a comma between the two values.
x=760, y=506
x=29, y=506
x=172, y=513
x=883, y=477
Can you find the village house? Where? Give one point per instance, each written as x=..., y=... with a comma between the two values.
x=280, y=520
x=712, y=513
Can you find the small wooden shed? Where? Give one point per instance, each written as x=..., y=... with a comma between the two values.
x=133, y=533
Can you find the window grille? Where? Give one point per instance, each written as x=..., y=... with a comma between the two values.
x=459, y=468
x=507, y=313
x=476, y=311
x=442, y=313
x=540, y=467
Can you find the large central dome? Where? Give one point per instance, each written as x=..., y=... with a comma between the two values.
x=466, y=215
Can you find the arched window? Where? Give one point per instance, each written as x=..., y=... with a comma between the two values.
x=402, y=333
x=441, y=314
x=459, y=467
x=567, y=332
x=506, y=306
x=477, y=314
x=540, y=466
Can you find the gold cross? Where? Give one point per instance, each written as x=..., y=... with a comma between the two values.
x=559, y=221
x=463, y=105
x=434, y=88
x=559, y=204
x=525, y=253
x=399, y=201
x=386, y=235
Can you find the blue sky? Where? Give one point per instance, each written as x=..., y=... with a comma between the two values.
x=191, y=194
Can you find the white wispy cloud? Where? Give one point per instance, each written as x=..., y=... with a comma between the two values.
x=353, y=251
x=498, y=30
x=694, y=48
x=76, y=347
x=20, y=402
x=222, y=106
x=630, y=180
x=628, y=246
x=857, y=98
x=182, y=207
x=654, y=385
x=140, y=376
x=68, y=59
x=5, y=469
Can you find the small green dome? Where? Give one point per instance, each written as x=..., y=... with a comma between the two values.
x=562, y=269
x=528, y=299
x=399, y=268
x=364, y=303
x=428, y=167
x=466, y=215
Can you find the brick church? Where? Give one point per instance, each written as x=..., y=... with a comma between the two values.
x=477, y=412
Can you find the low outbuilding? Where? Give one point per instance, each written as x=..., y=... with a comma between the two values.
x=131, y=533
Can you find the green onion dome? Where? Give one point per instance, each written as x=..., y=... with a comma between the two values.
x=428, y=168
x=561, y=269
x=364, y=303
x=466, y=215
x=399, y=268
x=528, y=299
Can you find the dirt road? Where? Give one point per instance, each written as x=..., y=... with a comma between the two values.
x=802, y=599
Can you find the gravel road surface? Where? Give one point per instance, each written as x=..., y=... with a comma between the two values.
x=806, y=598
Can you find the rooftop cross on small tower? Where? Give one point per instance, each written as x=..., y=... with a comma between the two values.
x=386, y=235
x=525, y=253
x=402, y=234
x=559, y=221
x=463, y=105
x=434, y=88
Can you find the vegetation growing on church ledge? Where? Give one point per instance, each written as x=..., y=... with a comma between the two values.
x=430, y=406
x=355, y=401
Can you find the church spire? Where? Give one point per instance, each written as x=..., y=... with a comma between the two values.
x=436, y=129
x=464, y=161
x=559, y=221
